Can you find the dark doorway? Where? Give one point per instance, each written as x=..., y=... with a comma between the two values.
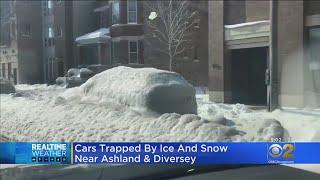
x=61, y=68
x=88, y=55
x=248, y=75
x=9, y=71
x=15, y=76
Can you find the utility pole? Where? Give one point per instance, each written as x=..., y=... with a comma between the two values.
x=273, y=84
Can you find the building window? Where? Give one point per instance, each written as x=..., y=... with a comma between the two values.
x=44, y=7
x=114, y=47
x=116, y=12
x=50, y=42
x=312, y=77
x=50, y=4
x=132, y=7
x=50, y=32
x=15, y=76
x=26, y=30
x=59, y=1
x=13, y=29
x=9, y=71
x=59, y=31
x=4, y=70
x=45, y=42
x=112, y=52
x=195, y=53
x=133, y=51
x=49, y=69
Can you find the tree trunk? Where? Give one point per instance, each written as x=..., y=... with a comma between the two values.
x=170, y=63
x=170, y=56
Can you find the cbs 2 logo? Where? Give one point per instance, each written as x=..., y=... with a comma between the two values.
x=285, y=151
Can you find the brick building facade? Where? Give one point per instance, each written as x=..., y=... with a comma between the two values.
x=21, y=43
x=126, y=40
x=62, y=22
x=239, y=41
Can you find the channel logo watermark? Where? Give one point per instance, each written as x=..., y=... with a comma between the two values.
x=281, y=153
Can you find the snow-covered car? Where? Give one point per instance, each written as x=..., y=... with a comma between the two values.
x=74, y=81
x=78, y=76
x=75, y=77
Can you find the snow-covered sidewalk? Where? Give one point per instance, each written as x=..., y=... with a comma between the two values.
x=45, y=116
x=40, y=114
x=121, y=104
x=298, y=124
x=52, y=113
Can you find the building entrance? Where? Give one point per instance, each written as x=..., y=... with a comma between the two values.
x=248, y=69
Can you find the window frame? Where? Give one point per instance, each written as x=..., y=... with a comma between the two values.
x=24, y=32
x=113, y=46
x=3, y=68
x=112, y=12
x=130, y=11
x=9, y=70
x=59, y=31
x=130, y=52
x=50, y=32
x=49, y=4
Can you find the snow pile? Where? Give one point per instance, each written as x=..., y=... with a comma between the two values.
x=290, y=125
x=302, y=125
x=143, y=88
x=208, y=109
x=258, y=128
x=107, y=108
x=46, y=116
x=26, y=119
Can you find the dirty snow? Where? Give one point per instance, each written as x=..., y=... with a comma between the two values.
x=51, y=113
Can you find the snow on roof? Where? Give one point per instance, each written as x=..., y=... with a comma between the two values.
x=99, y=36
x=129, y=24
x=246, y=24
x=101, y=9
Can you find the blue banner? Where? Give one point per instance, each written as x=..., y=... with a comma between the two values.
x=35, y=153
x=159, y=153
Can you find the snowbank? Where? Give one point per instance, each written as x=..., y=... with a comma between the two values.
x=140, y=88
x=25, y=119
x=93, y=112
x=52, y=120
x=46, y=116
x=42, y=114
x=293, y=125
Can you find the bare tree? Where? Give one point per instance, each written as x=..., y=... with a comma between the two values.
x=171, y=22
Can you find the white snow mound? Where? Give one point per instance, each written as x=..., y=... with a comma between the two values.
x=141, y=88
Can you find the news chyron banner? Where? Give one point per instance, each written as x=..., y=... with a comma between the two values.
x=159, y=153
x=35, y=153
